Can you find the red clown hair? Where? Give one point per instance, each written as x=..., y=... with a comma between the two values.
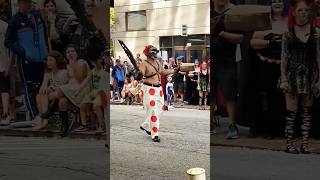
x=146, y=50
x=293, y=3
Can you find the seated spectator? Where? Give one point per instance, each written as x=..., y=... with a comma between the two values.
x=134, y=91
x=77, y=71
x=55, y=77
x=125, y=90
x=4, y=76
x=96, y=98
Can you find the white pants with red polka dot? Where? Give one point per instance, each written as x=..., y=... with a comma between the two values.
x=153, y=102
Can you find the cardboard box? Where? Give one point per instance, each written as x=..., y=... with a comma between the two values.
x=186, y=67
x=248, y=18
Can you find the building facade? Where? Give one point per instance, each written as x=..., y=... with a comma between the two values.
x=176, y=27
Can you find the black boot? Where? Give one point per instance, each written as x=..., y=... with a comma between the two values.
x=305, y=128
x=65, y=123
x=289, y=131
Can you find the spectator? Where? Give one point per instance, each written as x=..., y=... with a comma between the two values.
x=55, y=77
x=30, y=45
x=118, y=74
x=54, y=23
x=128, y=69
x=4, y=76
x=138, y=59
x=178, y=79
x=169, y=92
x=96, y=99
x=78, y=33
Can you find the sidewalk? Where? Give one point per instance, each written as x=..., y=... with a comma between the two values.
x=48, y=132
x=278, y=144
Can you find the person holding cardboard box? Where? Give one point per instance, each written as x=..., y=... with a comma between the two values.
x=267, y=45
x=224, y=58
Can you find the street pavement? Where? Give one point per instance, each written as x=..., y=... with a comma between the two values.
x=247, y=164
x=185, y=141
x=52, y=159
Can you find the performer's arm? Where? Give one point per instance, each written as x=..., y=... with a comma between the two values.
x=231, y=37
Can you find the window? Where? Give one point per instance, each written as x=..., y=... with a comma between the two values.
x=136, y=21
x=166, y=41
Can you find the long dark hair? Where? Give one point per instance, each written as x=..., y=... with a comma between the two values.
x=60, y=62
x=49, y=1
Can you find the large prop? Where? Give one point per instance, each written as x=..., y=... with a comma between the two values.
x=129, y=54
x=248, y=18
x=98, y=44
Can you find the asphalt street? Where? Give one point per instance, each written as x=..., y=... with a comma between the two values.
x=248, y=164
x=185, y=141
x=52, y=159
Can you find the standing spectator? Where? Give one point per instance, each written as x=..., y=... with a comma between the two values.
x=4, y=76
x=225, y=66
x=128, y=68
x=271, y=103
x=54, y=25
x=118, y=74
x=300, y=73
x=78, y=33
x=138, y=59
x=178, y=79
x=203, y=84
x=26, y=37
x=169, y=92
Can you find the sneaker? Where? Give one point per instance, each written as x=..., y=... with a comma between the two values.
x=81, y=129
x=233, y=132
x=122, y=100
x=5, y=121
x=156, y=139
x=99, y=130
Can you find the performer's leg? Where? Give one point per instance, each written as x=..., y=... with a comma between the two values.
x=146, y=124
x=156, y=104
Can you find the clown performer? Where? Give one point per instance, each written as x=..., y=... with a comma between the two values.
x=153, y=98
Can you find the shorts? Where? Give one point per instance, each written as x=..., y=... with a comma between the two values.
x=178, y=87
x=227, y=78
x=4, y=83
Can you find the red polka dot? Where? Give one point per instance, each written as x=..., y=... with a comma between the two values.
x=154, y=118
x=161, y=93
x=152, y=103
x=155, y=129
x=152, y=92
x=142, y=93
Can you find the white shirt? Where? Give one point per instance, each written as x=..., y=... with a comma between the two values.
x=4, y=53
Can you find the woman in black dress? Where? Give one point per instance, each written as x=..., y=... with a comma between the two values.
x=300, y=72
x=269, y=120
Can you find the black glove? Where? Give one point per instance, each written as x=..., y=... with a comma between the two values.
x=138, y=75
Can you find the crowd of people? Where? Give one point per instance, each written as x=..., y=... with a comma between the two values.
x=60, y=69
x=126, y=89
x=284, y=79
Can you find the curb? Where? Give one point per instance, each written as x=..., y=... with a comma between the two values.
x=49, y=134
